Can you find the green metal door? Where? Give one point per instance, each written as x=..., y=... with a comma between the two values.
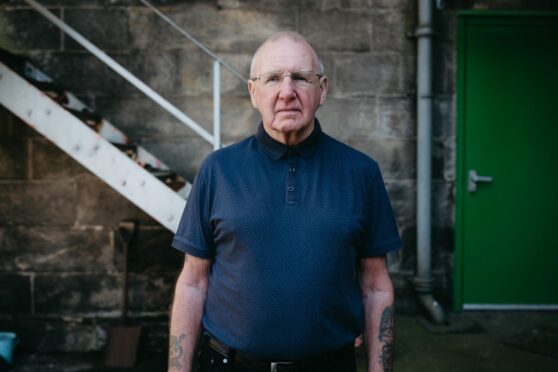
x=506, y=222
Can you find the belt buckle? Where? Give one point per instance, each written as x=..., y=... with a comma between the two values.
x=274, y=365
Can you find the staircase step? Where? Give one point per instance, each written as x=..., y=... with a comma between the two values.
x=92, y=119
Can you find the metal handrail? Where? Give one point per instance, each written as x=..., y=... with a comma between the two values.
x=144, y=88
x=198, y=43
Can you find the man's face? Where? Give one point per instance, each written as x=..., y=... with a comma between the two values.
x=287, y=106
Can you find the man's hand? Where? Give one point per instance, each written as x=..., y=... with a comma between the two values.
x=377, y=299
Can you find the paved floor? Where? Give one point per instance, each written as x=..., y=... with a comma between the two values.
x=478, y=342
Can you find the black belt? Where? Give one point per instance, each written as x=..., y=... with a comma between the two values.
x=267, y=365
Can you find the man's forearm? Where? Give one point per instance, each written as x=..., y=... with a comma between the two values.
x=185, y=325
x=187, y=310
x=377, y=298
x=380, y=331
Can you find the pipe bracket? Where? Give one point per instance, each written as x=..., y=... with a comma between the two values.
x=422, y=31
x=423, y=285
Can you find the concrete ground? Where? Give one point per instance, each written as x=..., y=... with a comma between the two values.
x=479, y=342
x=474, y=341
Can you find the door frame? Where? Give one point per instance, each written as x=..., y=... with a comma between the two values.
x=463, y=18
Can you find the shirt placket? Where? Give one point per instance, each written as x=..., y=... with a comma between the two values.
x=292, y=190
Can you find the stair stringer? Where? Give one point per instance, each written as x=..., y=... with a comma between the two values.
x=90, y=149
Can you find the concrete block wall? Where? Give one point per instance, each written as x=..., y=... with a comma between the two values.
x=61, y=267
x=61, y=260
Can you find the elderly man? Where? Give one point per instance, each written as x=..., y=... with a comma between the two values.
x=285, y=235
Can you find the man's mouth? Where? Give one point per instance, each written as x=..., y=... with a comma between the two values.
x=288, y=110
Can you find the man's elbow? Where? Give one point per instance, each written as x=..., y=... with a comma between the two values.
x=188, y=283
x=382, y=287
x=194, y=275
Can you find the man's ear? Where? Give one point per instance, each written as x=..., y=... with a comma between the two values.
x=323, y=89
x=252, y=91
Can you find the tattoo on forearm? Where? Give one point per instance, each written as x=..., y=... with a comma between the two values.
x=175, y=351
x=387, y=336
x=386, y=357
x=386, y=325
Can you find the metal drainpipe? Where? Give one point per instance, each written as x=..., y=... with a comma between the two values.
x=423, y=280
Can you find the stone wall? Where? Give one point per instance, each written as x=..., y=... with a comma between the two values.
x=60, y=267
x=60, y=273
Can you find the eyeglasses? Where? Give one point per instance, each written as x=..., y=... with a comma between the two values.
x=299, y=78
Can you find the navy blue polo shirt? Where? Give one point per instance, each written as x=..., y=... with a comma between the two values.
x=284, y=227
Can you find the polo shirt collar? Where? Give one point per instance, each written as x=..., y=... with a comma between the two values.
x=275, y=149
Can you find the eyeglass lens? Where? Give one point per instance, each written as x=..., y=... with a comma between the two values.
x=298, y=77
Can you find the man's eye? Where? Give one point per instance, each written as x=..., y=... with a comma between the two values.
x=273, y=78
x=298, y=77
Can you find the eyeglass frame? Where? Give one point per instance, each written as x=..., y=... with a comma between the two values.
x=290, y=74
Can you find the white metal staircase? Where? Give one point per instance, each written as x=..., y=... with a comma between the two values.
x=92, y=141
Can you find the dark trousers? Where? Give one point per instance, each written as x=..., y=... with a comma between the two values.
x=211, y=360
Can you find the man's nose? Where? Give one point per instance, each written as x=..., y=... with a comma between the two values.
x=287, y=88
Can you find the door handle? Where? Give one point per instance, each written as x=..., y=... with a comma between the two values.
x=474, y=178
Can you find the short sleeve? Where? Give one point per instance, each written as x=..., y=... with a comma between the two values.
x=194, y=235
x=381, y=234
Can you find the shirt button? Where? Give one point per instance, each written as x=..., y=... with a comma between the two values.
x=291, y=188
x=292, y=169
